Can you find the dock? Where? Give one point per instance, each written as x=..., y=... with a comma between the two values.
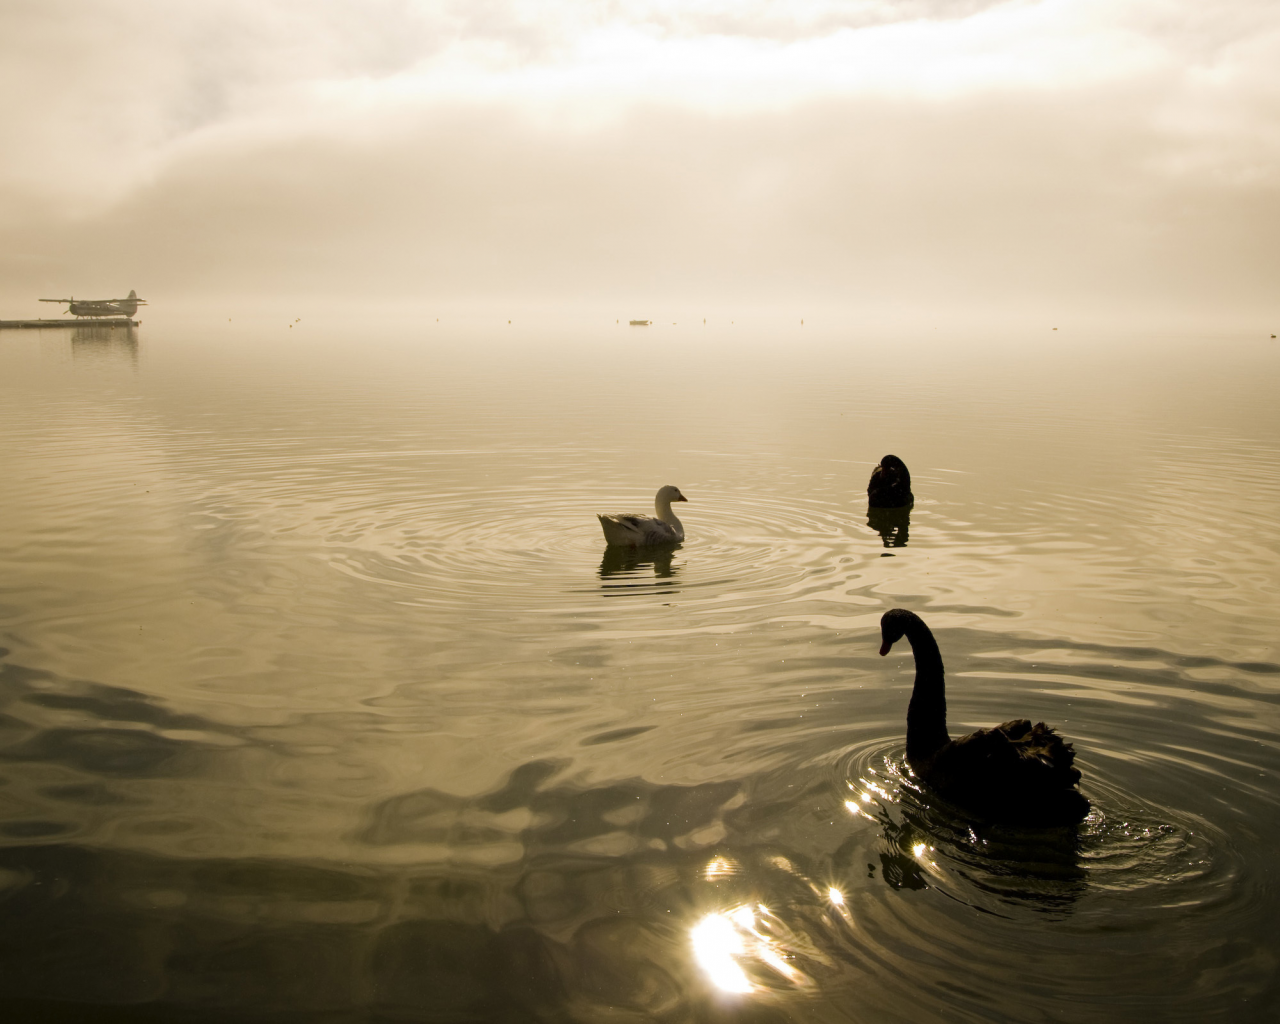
x=117, y=321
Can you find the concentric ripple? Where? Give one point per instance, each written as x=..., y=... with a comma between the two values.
x=1156, y=855
x=510, y=548
x=916, y=899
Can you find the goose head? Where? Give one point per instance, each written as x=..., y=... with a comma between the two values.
x=670, y=493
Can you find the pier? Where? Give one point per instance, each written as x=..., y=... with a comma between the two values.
x=77, y=322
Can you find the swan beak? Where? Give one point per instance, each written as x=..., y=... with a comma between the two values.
x=884, y=647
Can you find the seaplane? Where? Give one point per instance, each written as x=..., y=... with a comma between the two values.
x=103, y=307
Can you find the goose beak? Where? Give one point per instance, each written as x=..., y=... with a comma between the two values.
x=884, y=647
x=682, y=498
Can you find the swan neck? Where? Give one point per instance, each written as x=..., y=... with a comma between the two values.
x=927, y=713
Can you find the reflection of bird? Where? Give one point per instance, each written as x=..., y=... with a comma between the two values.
x=628, y=564
x=1038, y=868
x=1016, y=772
x=890, y=484
x=892, y=524
x=633, y=531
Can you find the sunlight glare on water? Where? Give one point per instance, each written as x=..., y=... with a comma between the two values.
x=717, y=943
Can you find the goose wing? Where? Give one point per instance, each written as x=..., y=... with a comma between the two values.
x=628, y=530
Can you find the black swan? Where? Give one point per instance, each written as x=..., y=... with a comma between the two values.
x=1016, y=773
x=890, y=484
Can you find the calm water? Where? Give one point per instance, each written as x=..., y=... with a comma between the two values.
x=322, y=699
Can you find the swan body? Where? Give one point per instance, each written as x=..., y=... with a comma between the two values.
x=890, y=484
x=626, y=530
x=1016, y=773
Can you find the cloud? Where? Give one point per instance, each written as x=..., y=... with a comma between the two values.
x=978, y=154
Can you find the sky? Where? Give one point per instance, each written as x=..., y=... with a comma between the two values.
x=1079, y=161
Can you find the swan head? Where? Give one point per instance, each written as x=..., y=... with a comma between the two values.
x=893, y=627
x=670, y=493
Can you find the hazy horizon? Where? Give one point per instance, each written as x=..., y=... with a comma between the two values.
x=1021, y=163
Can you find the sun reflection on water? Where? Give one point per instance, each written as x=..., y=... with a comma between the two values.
x=716, y=943
x=725, y=941
x=718, y=867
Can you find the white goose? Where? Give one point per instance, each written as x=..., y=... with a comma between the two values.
x=636, y=531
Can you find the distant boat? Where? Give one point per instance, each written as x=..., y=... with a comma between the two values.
x=640, y=323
